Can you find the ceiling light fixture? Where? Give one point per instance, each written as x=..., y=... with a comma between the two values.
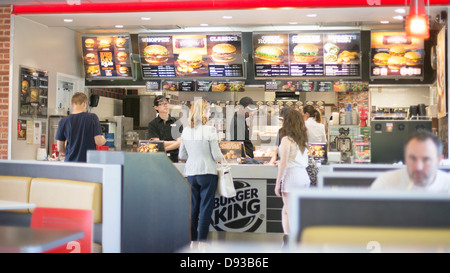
x=118, y=26
x=293, y=23
x=401, y=10
x=68, y=20
x=417, y=24
x=398, y=17
x=227, y=17
x=384, y=22
x=204, y=25
x=145, y=18
x=311, y=15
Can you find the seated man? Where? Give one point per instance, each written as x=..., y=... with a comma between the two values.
x=423, y=154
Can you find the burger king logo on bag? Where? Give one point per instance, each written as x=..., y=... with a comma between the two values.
x=242, y=213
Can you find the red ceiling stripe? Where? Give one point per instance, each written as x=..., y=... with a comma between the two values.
x=191, y=5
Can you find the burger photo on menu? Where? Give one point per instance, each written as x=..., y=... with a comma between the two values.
x=89, y=43
x=223, y=53
x=397, y=51
x=155, y=54
x=120, y=42
x=396, y=62
x=25, y=86
x=413, y=58
x=91, y=58
x=104, y=43
x=188, y=61
x=123, y=70
x=305, y=53
x=269, y=54
x=381, y=59
x=122, y=57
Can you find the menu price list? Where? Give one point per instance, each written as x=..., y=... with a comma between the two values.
x=307, y=70
x=342, y=70
x=233, y=70
x=264, y=70
x=160, y=71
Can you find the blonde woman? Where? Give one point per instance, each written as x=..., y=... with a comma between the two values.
x=200, y=148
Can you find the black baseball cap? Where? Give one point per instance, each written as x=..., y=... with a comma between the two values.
x=158, y=99
x=248, y=102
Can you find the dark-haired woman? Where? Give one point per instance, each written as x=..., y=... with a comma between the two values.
x=293, y=161
x=316, y=130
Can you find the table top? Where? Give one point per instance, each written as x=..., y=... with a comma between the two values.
x=12, y=205
x=15, y=239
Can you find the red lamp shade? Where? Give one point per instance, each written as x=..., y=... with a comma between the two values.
x=417, y=24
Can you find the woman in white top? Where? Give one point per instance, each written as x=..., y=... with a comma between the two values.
x=200, y=146
x=293, y=161
x=316, y=130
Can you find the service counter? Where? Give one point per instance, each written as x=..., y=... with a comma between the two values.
x=255, y=208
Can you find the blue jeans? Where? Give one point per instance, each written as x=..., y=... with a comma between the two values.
x=203, y=190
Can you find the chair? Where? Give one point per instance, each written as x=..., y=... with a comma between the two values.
x=70, y=219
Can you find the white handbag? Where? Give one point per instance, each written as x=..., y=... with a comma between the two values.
x=225, y=185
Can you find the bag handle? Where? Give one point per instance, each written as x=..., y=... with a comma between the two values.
x=224, y=162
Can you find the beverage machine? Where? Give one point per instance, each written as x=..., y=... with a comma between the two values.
x=115, y=128
x=389, y=137
x=53, y=121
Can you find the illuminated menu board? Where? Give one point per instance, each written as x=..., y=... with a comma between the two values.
x=107, y=56
x=308, y=55
x=191, y=56
x=395, y=55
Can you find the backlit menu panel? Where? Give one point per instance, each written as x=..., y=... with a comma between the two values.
x=191, y=56
x=310, y=55
x=107, y=56
x=395, y=55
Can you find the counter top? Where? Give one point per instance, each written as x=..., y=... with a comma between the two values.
x=253, y=171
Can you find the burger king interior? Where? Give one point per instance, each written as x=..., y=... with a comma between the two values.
x=372, y=84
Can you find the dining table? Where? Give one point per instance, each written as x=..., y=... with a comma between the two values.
x=14, y=205
x=18, y=239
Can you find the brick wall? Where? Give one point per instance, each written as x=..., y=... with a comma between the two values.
x=5, y=36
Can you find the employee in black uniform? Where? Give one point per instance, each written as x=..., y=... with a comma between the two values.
x=239, y=129
x=167, y=128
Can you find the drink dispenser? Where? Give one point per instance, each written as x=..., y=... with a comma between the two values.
x=53, y=122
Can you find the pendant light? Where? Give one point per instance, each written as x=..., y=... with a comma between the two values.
x=417, y=24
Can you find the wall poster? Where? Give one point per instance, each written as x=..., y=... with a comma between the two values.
x=33, y=98
x=441, y=74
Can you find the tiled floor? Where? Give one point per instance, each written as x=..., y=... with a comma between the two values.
x=240, y=242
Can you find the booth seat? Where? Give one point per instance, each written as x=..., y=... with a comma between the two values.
x=15, y=188
x=51, y=193
x=386, y=236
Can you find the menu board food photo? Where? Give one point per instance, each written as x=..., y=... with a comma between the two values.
x=107, y=56
x=309, y=55
x=342, y=54
x=191, y=56
x=271, y=55
x=395, y=55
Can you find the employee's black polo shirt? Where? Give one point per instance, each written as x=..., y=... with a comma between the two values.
x=170, y=130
